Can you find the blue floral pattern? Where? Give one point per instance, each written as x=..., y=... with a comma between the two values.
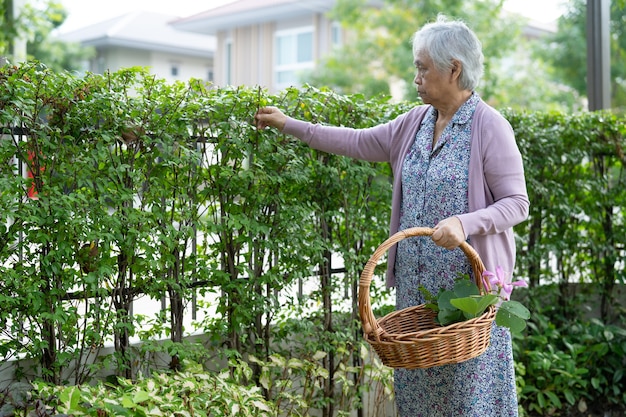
x=434, y=186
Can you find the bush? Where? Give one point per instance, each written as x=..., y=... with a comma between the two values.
x=140, y=187
x=193, y=392
x=570, y=368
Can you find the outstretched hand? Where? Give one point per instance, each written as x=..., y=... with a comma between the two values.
x=270, y=116
x=449, y=233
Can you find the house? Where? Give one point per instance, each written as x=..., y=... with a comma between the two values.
x=147, y=39
x=266, y=42
x=271, y=42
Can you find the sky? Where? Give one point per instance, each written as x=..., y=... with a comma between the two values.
x=86, y=12
x=541, y=10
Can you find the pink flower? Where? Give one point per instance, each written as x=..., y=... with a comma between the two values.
x=499, y=282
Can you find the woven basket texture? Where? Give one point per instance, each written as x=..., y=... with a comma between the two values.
x=411, y=338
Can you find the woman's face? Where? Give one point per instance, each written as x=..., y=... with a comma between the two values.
x=433, y=87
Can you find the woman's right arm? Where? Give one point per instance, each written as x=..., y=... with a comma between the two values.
x=372, y=144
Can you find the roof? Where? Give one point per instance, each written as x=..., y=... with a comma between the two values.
x=247, y=12
x=143, y=30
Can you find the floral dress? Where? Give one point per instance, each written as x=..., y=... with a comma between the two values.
x=434, y=186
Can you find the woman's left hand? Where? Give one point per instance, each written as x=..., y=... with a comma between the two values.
x=449, y=233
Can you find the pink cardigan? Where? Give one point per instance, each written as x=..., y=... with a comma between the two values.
x=496, y=189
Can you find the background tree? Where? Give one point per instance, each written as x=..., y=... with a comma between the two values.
x=36, y=22
x=566, y=50
x=380, y=60
x=521, y=80
x=9, y=29
x=545, y=73
x=42, y=46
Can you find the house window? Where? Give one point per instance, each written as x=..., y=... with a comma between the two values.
x=336, y=34
x=209, y=75
x=174, y=70
x=228, y=61
x=294, y=53
x=100, y=65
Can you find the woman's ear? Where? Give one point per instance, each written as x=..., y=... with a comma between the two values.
x=455, y=71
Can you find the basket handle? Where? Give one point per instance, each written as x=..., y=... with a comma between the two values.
x=370, y=325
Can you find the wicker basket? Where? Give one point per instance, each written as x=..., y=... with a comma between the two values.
x=410, y=338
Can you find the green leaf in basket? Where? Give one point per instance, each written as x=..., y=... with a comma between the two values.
x=474, y=306
x=449, y=316
x=444, y=300
x=512, y=314
x=428, y=296
x=468, y=305
x=486, y=301
x=432, y=306
x=465, y=288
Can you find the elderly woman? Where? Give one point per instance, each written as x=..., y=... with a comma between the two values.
x=456, y=169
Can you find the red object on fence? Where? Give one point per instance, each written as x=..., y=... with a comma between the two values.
x=32, y=190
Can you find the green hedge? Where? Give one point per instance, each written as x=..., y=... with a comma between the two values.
x=141, y=187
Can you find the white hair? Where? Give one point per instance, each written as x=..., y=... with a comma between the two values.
x=447, y=40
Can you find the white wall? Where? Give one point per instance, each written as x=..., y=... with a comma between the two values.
x=188, y=67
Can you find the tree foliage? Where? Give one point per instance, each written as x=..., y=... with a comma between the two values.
x=36, y=23
x=377, y=54
x=566, y=50
x=137, y=187
x=168, y=191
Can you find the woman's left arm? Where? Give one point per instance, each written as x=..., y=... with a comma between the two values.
x=499, y=201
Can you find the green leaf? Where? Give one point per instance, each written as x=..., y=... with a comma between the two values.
x=319, y=355
x=449, y=316
x=515, y=308
x=127, y=402
x=541, y=399
x=444, y=300
x=514, y=323
x=265, y=380
x=141, y=396
x=117, y=409
x=595, y=382
x=486, y=301
x=554, y=399
x=427, y=294
x=467, y=305
x=465, y=288
x=432, y=306
x=474, y=306
x=513, y=315
x=70, y=397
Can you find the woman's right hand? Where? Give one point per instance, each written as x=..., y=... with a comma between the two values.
x=270, y=116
